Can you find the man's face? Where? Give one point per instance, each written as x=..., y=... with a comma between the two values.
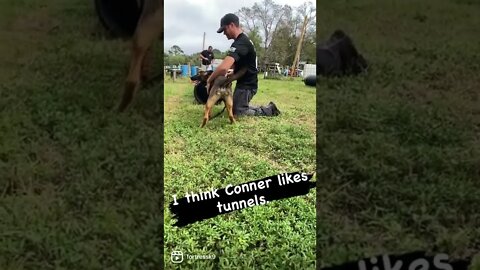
x=228, y=32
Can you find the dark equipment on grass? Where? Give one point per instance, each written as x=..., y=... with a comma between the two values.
x=200, y=93
x=310, y=80
x=119, y=17
x=339, y=57
x=200, y=89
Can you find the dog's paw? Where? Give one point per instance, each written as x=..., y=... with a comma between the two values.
x=203, y=123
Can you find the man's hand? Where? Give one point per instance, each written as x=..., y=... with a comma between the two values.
x=229, y=73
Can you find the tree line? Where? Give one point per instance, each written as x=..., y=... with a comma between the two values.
x=275, y=30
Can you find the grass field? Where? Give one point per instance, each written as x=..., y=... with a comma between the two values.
x=399, y=149
x=278, y=236
x=80, y=184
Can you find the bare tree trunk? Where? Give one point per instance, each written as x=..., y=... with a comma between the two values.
x=296, y=60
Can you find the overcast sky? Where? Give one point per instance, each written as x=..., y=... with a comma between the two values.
x=187, y=20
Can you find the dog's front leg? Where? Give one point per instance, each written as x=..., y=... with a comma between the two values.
x=147, y=65
x=133, y=78
x=208, y=107
x=148, y=30
x=229, y=105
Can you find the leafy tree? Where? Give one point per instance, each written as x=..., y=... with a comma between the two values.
x=256, y=38
x=308, y=12
x=265, y=17
x=175, y=50
x=309, y=52
x=276, y=30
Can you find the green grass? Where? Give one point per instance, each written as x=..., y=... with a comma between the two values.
x=79, y=184
x=278, y=236
x=399, y=148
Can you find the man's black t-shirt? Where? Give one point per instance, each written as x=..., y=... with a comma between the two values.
x=208, y=55
x=243, y=51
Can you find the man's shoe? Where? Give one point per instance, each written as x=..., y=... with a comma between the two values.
x=275, y=110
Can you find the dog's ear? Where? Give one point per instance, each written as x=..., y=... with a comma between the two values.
x=199, y=75
x=203, y=75
x=207, y=75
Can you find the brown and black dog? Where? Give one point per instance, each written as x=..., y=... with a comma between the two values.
x=221, y=89
x=149, y=29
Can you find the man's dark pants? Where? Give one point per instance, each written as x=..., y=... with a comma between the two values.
x=241, y=107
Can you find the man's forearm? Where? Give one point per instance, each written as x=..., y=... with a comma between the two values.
x=219, y=71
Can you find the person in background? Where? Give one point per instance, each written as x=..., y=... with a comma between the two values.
x=207, y=57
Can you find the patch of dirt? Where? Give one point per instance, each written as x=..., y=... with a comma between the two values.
x=37, y=22
x=303, y=120
x=51, y=155
x=23, y=37
x=175, y=147
x=307, y=122
x=171, y=105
